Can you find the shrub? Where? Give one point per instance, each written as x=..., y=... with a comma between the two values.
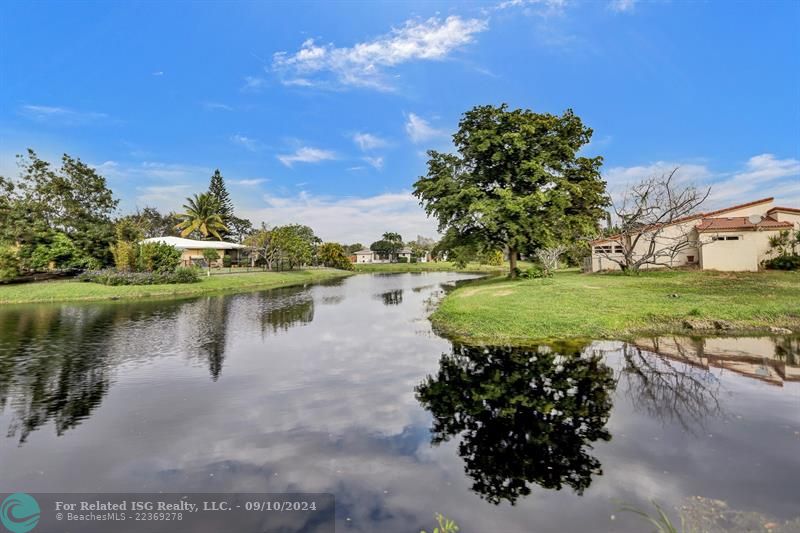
x=413, y=259
x=227, y=261
x=402, y=259
x=157, y=257
x=783, y=262
x=535, y=272
x=114, y=278
x=125, y=254
x=9, y=263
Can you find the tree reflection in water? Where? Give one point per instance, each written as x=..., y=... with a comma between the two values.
x=670, y=390
x=394, y=297
x=525, y=416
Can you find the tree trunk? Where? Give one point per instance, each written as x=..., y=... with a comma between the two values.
x=512, y=263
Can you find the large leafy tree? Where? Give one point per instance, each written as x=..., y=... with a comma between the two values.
x=516, y=181
x=46, y=204
x=218, y=191
x=333, y=254
x=201, y=215
x=390, y=244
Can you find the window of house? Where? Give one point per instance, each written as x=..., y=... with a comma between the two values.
x=603, y=249
x=690, y=258
x=725, y=238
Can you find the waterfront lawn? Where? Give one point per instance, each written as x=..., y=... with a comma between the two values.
x=59, y=291
x=613, y=305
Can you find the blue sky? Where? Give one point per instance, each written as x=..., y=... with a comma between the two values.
x=320, y=113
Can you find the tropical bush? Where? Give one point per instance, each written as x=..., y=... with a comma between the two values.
x=333, y=255
x=783, y=262
x=402, y=259
x=115, y=278
x=157, y=257
x=227, y=261
x=535, y=272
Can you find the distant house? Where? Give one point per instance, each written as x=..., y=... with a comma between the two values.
x=732, y=239
x=368, y=256
x=192, y=250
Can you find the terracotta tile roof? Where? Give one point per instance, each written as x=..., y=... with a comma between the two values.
x=740, y=223
x=615, y=238
x=784, y=209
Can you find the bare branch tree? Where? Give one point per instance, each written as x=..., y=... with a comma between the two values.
x=649, y=216
x=548, y=257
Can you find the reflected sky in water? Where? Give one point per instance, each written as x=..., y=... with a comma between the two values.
x=344, y=388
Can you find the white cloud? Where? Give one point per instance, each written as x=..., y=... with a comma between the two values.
x=538, y=7
x=419, y=130
x=253, y=83
x=364, y=63
x=761, y=176
x=349, y=219
x=162, y=194
x=64, y=115
x=247, y=142
x=622, y=6
x=375, y=162
x=153, y=169
x=368, y=141
x=216, y=106
x=306, y=154
x=249, y=182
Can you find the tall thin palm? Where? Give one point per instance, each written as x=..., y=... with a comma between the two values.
x=201, y=213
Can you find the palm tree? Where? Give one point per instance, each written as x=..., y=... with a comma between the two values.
x=201, y=214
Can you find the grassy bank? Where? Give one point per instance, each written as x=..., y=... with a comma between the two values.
x=574, y=305
x=438, y=266
x=60, y=291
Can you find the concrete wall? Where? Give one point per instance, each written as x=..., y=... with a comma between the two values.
x=188, y=255
x=740, y=255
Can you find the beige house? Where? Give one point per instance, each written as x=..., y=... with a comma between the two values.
x=192, y=250
x=732, y=239
x=368, y=256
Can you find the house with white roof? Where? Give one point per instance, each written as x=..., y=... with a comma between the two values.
x=192, y=250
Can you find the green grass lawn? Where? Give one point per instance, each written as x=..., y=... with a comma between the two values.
x=59, y=291
x=575, y=305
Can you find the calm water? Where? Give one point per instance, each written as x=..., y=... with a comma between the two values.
x=344, y=388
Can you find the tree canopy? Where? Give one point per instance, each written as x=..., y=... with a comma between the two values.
x=201, y=215
x=516, y=181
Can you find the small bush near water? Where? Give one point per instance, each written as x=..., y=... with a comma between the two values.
x=114, y=278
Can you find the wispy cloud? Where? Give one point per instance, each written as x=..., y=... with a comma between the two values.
x=368, y=141
x=419, y=130
x=622, y=6
x=159, y=194
x=253, y=84
x=306, y=154
x=350, y=219
x=364, y=64
x=247, y=142
x=760, y=176
x=538, y=7
x=170, y=171
x=216, y=106
x=375, y=162
x=248, y=182
x=63, y=115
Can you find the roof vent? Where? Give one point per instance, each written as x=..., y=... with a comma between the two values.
x=754, y=219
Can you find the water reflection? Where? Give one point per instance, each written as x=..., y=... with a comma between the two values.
x=524, y=416
x=669, y=390
x=773, y=360
x=394, y=297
